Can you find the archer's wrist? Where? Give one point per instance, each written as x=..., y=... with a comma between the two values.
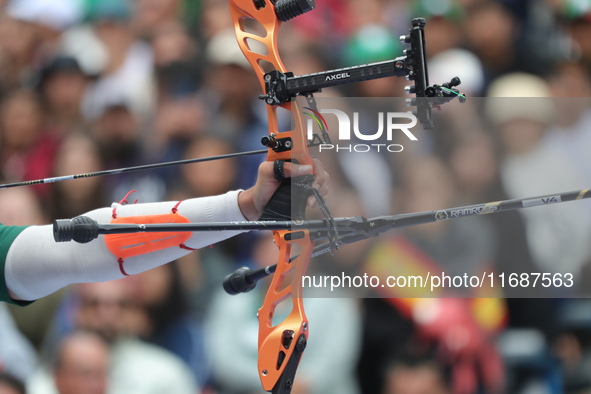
x=247, y=205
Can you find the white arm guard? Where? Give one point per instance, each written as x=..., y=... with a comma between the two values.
x=37, y=266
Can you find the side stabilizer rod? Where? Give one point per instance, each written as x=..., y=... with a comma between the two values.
x=352, y=229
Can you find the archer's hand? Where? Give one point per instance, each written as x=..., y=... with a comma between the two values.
x=253, y=201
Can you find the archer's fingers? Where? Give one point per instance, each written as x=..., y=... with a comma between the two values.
x=295, y=170
x=321, y=182
x=322, y=179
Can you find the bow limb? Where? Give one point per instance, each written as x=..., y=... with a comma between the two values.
x=280, y=345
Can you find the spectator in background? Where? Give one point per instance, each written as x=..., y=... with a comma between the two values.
x=578, y=24
x=361, y=14
x=361, y=49
x=151, y=15
x=455, y=62
x=176, y=60
x=135, y=367
x=491, y=33
x=17, y=49
x=117, y=136
x=373, y=43
x=214, y=18
x=444, y=20
x=77, y=154
x=415, y=375
x=571, y=85
x=213, y=178
x=49, y=19
x=62, y=87
x=532, y=166
x=21, y=207
x=167, y=322
x=30, y=32
x=456, y=248
x=28, y=148
x=10, y=385
x=236, y=114
x=82, y=364
x=179, y=120
x=17, y=356
x=128, y=72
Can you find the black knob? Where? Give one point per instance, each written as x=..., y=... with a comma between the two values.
x=239, y=282
x=430, y=92
x=419, y=22
x=455, y=81
x=289, y=9
x=81, y=229
x=411, y=89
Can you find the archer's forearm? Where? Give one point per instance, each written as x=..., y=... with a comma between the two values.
x=37, y=266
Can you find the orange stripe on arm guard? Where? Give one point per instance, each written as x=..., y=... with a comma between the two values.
x=129, y=245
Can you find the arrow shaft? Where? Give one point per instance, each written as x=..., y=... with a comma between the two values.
x=131, y=169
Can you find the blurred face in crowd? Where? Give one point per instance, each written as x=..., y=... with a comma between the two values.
x=234, y=83
x=214, y=18
x=20, y=207
x=170, y=44
x=10, y=385
x=365, y=12
x=20, y=120
x=215, y=177
x=180, y=118
x=491, y=32
x=78, y=154
x=441, y=34
x=104, y=308
x=570, y=80
x=17, y=38
x=150, y=14
x=572, y=87
x=6, y=389
x=520, y=135
x=151, y=287
x=64, y=90
x=580, y=30
x=422, y=379
x=474, y=164
x=82, y=365
x=116, y=129
x=114, y=34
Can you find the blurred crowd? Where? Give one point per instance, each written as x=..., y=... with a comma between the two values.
x=88, y=85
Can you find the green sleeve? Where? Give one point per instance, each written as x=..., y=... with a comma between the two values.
x=7, y=236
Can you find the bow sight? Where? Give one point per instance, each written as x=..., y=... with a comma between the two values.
x=283, y=87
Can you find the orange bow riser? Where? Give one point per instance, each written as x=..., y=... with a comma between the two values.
x=280, y=346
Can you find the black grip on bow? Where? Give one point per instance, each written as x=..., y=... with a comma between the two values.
x=289, y=201
x=285, y=382
x=81, y=229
